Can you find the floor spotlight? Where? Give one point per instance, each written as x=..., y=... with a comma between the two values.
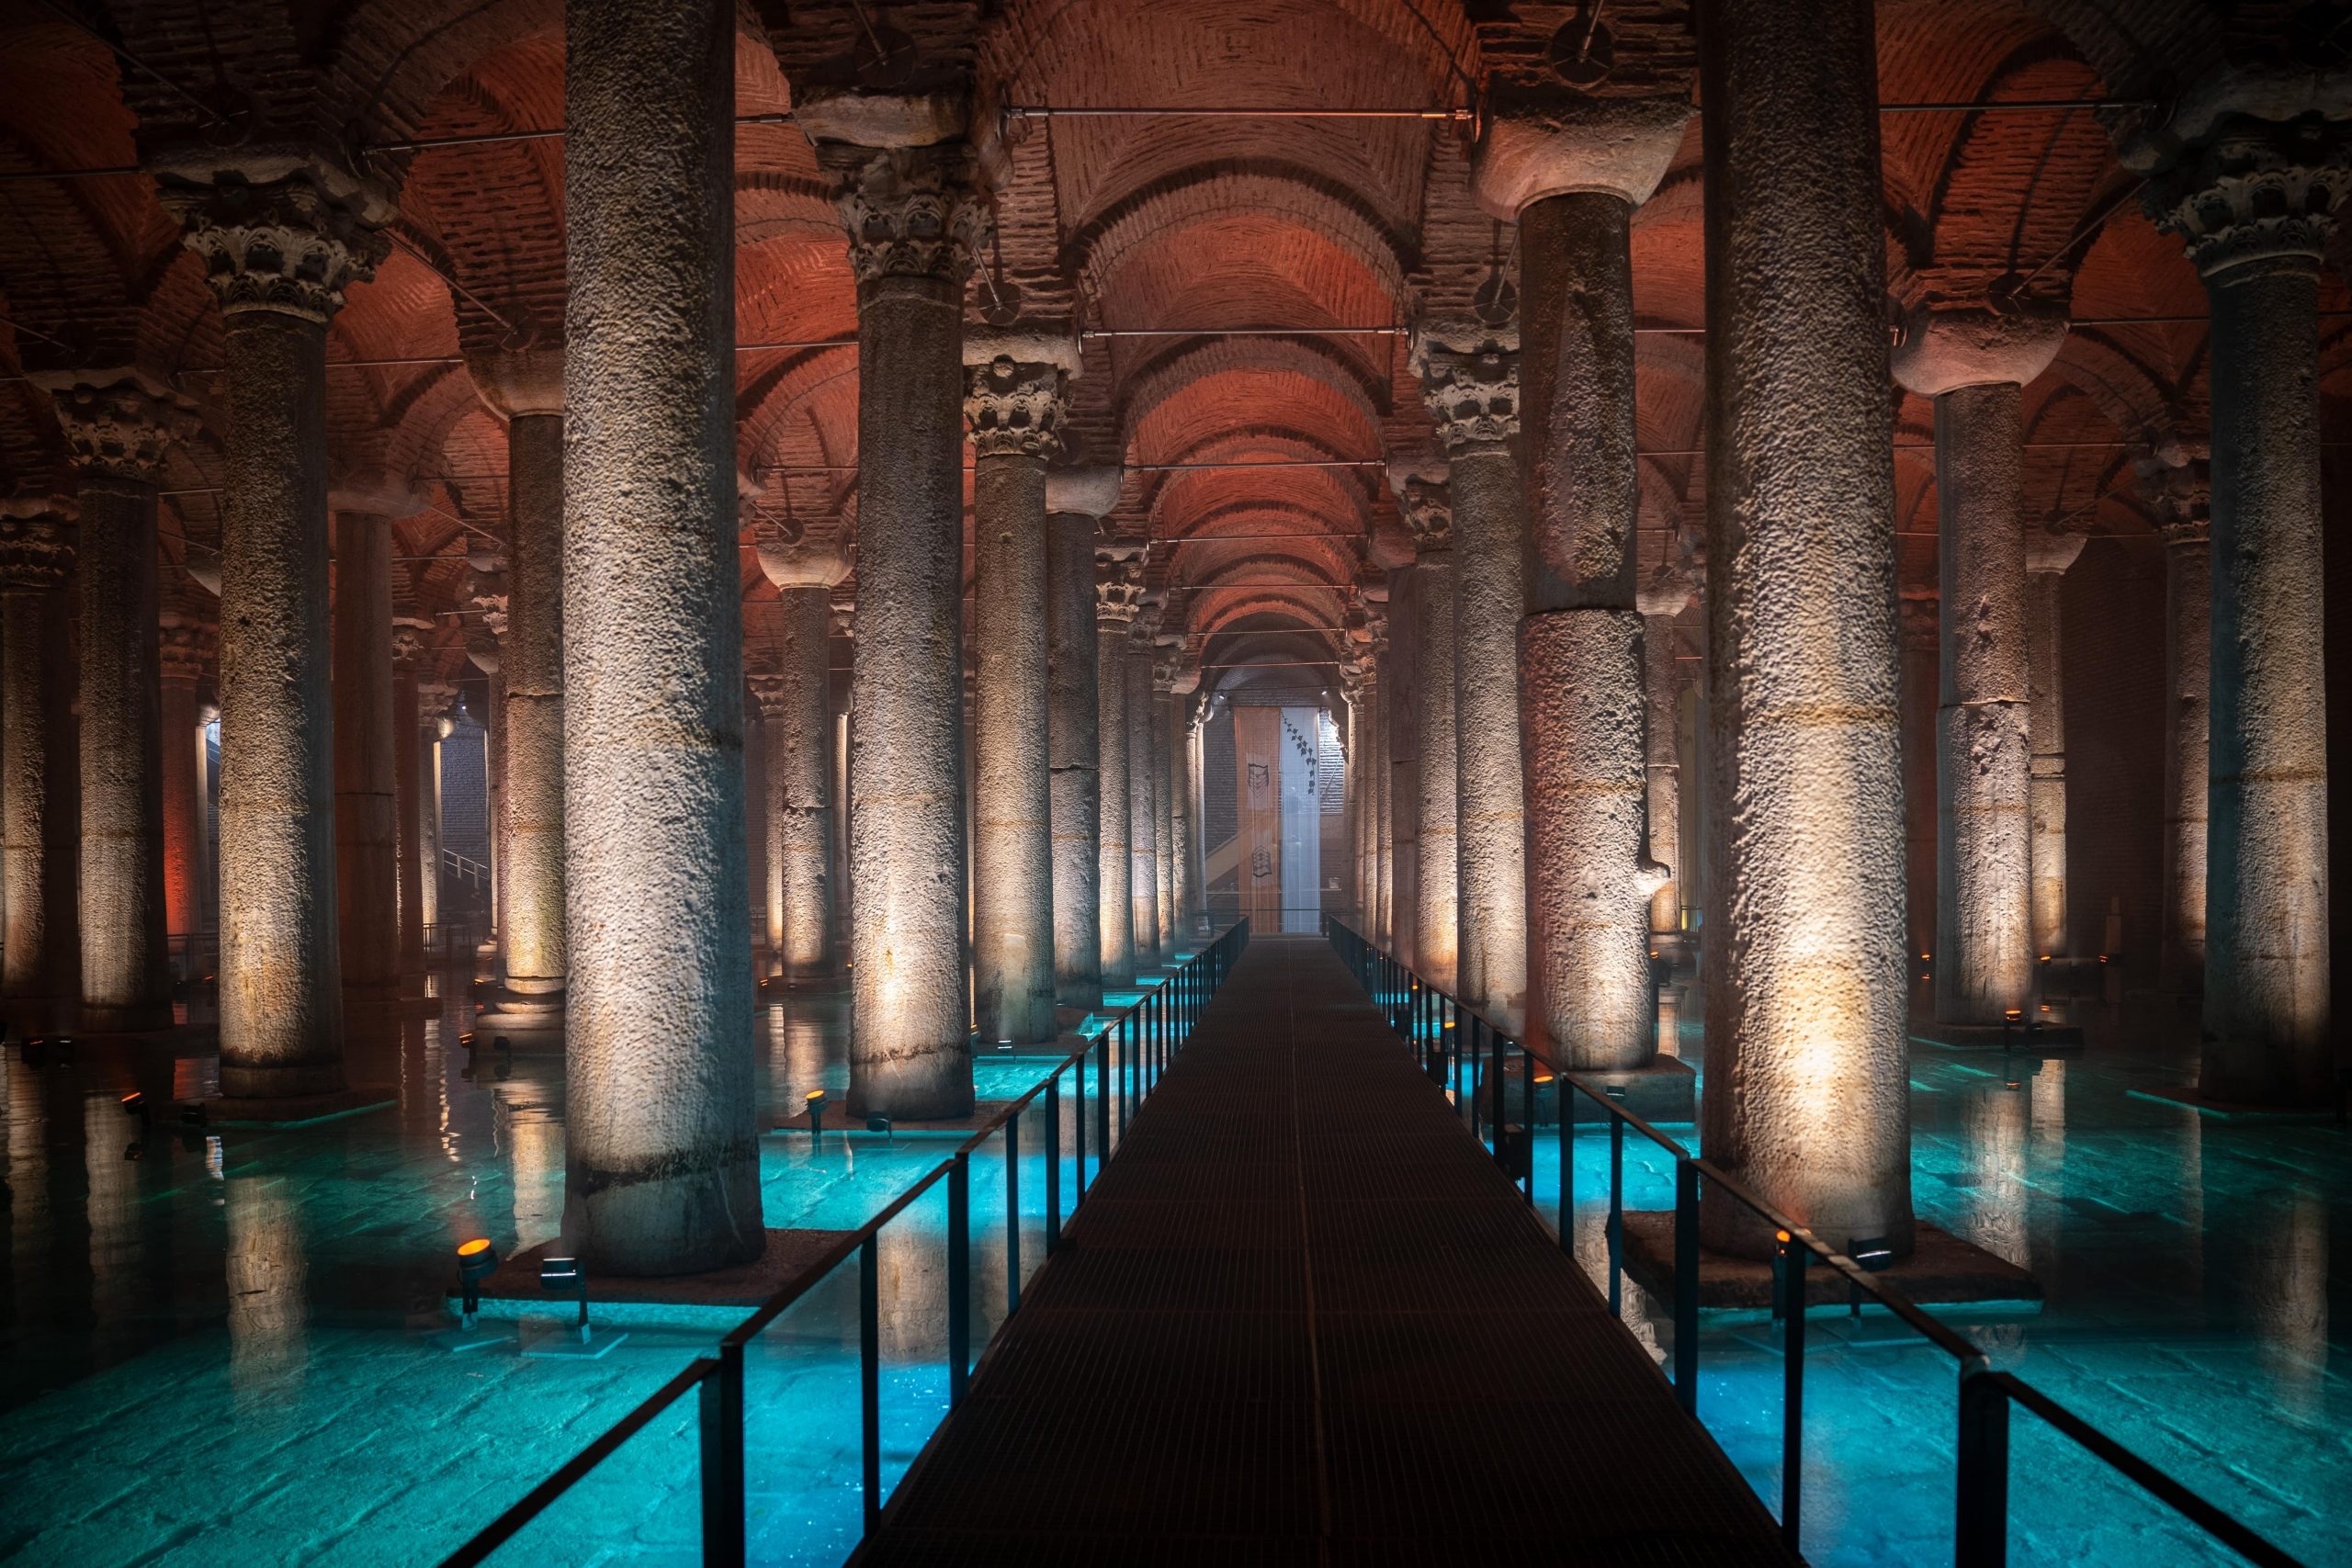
x=477, y=1260
x=878, y=1124
x=564, y=1277
x=1873, y=1254
x=815, y=1102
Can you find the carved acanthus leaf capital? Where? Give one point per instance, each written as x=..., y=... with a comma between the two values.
x=34, y=555
x=1427, y=506
x=910, y=211
x=1118, y=593
x=769, y=692
x=434, y=701
x=291, y=245
x=118, y=424
x=184, y=646
x=2174, y=480
x=2255, y=192
x=412, y=641
x=1016, y=408
x=1469, y=374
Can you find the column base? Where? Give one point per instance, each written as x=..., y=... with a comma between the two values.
x=935, y=1087
x=1941, y=1269
x=2025, y=1039
x=117, y=1018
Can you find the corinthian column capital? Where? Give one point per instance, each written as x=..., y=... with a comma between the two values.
x=34, y=555
x=1427, y=505
x=1017, y=387
x=2254, y=191
x=771, y=693
x=803, y=553
x=290, y=241
x=1469, y=374
x=118, y=423
x=2175, y=482
x=909, y=211
x=184, y=646
x=1118, y=593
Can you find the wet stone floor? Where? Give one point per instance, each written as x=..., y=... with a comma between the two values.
x=233, y=1347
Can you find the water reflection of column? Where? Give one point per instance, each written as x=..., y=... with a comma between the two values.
x=111, y=1202
x=913, y=1306
x=535, y=1147
x=24, y=1139
x=2290, y=1307
x=268, y=1315
x=1996, y=1137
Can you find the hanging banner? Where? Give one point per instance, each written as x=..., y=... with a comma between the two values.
x=1257, y=756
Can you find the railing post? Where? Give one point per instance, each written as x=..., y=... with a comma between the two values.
x=1101, y=1102
x=1616, y=1213
x=869, y=1375
x=1527, y=1113
x=959, y=1278
x=1686, y=1285
x=1013, y=1213
x=1981, y=1533
x=1795, y=1255
x=1567, y=1093
x=722, y=1460
x=1054, y=1162
x=1077, y=1122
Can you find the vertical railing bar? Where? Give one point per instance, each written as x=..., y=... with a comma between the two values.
x=1013, y=1213
x=959, y=1278
x=869, y=1374
x=1616, y=1213
x=1054, y=1162
x=1981, y=1531
x=1686, y=1285
x=1793, y=1257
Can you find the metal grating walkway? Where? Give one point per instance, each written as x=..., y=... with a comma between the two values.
x=1304, y=1319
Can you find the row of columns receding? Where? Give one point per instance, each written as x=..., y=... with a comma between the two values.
x=1512, y=809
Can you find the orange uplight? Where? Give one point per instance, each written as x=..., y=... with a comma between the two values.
x=469, y=1249
x=1543, y=1077
x=2014, y=1012
x=814, y=1095
x=2045, y=958
x=1783, y=1237
x=1924, y=958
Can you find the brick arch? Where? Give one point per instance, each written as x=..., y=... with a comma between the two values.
x=2137, y=46
x=1239, y=375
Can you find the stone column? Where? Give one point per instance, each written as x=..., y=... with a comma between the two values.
x=1808, y=1087
x=1118, y=596
x=433, y=699
x=35, y=749
x=796, y=709
x=1015, y=400
x=1920, y=625
x=2254, y=201
x=662, y=1147
x=185, y=645
x=1401, y=681
x=1661, y=600
x=366, y=819
x=1427, y=512
x=2047, y=557
x=1570, y=172
x=524, y=388
x=1469, y=375
x=905, y=176
x=1183, y=870
x=1973, y=363
x=1143, y=809
x=408, y=652
x=118, y=427
x=2174, y=486
x=1075, y=498
x=1376, y=746
x=278, y=254
x=1167, y=768
x=485, y=647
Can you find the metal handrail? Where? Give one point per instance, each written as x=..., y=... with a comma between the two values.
x=1156, y=1024
x=1980, y=1525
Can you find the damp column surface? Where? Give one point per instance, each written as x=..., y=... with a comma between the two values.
x=2047, y=556
x=367, y=828
x=662, y=1152
x=1436, y=854
x=1807, y=1078
x=35, y=561
x=904, y=174
x=182, y=647
x=1118, y=593
x=1143, y=809
x=796, y=711
x=1165, y=761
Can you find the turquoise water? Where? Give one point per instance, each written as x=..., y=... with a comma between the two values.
x=232, y=1349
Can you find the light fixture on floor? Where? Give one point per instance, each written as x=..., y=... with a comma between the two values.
x=477, y=1260
x=564, y=1277
x=1872, y=1255
x=815, y=1102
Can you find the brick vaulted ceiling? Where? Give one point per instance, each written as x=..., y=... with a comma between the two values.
x=1305, y=227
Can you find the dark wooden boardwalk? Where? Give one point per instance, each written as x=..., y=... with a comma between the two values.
x=1304, y=1319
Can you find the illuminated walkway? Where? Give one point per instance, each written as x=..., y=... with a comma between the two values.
x=1303, y=1316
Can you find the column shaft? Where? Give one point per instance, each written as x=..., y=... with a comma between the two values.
x=1580, y=648
x=1183, y=869
x=1984, y=954
x=662, y=1152
x=33, y=748
x=281, y=970
x=1116, y=866
x=2046, y=705
x=366, y=823
x=1143, y=810
x=126, y=978
x=1404, y=765
x=183, y=806
x=407, y=817
x=1438, y=934
x=1489, y=557
x=1073, y=727
x=2266, y=985
x=2189, y=654
x=799, y=790
x=530, y=667
x=1012, y=850
x=1661, y=695
x=1164, y=764
x=1807, y=1077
